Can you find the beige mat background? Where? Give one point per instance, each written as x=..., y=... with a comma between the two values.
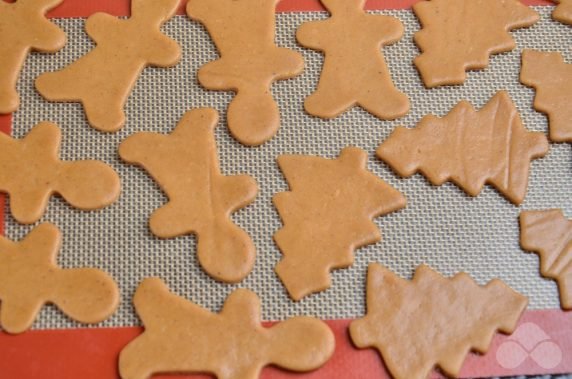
x=441, y=225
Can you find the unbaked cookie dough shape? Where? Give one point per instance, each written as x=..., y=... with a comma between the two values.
x=103, y=79
x=563, y=11
x=354, y=72
x=30, y=278
x=469, y=148
x=460, y=35
x=244, y=32
x=327, y=214
x=549, y=234
x=23, y=27
x=201, y=199
x=30, y=172
x=431, y=320
x=181, y=337
x=551, y=77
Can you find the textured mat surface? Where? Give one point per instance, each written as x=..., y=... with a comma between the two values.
x=441, y=225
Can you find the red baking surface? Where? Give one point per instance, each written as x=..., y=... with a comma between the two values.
x=542, y=343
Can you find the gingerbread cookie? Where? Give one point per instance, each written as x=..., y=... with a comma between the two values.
x=30, y=172
x=103, y=79
x=327, y=214
x=469, y=148
x=29, y=278
x=549, y=234
x=250, y=62
x=432, y=321
x=354, y=71
x=201, y=199
x=551, y=77
x=181, y=337
x=460, y=35
x=23, y=27
x=563, y=11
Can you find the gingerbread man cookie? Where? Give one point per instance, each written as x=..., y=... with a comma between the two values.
x=103, y=79
x=549, y=234
x=201, y=199
x=29, y=278
x=30, y=172
x=469, y=148
x=460, y=35
x=250, y=62
x=551, y=77
x=23, y=27
x=327, y=214
x=181, y=337
x=563, y=11
x=354, y=72
x=432, y=321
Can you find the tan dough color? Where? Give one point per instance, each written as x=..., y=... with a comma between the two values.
x=549, y=234
x=23, y=27
x=250, y=62
x=563, y=11
x=327, y=214
x=30, y=172
x=181, y=337
x=552, y=78
x=103, y=79
x=30, y=278
x=460, y=35
x=201, y=199
x=432, y=321
x=354, y=71
x=469, y=148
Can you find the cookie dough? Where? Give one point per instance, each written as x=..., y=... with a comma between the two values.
x=469, y=148
x=327, y=214
x=181, y=337
x=549, y=234
x=563, y=11
x=201, y=199
x=431, y=320
x=249, y=63
x=460, y=35
x=551, y=77
x=354, y=72
x=103, y=79
x=30, y=172
x=29, y=278
x=23, y=27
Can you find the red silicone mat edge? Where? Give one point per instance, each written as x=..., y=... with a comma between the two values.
x=92, y=353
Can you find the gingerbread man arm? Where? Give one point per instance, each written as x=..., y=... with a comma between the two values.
x=46, y=36
x=310, y=34
x=390, y=28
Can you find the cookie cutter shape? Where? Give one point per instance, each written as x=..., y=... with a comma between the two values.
x=327, y=214
x=549, y=234
x=354, y=72
x=181, y=337
x=30, y=278
x=30, y=172
x=201, y=199
x=431, y=320
x=563, y=11
x=103, y=79
x=250, y=62
x=460, y=35
x=24, y=27
x=469, y=148
x=551, y=77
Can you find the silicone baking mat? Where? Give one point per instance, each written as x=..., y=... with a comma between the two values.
x=441, y=226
